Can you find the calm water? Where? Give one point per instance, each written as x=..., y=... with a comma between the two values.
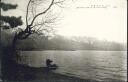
x=97, y=65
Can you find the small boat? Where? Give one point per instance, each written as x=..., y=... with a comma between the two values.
x=52, y=67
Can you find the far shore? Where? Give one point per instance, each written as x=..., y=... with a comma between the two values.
x=64, y=50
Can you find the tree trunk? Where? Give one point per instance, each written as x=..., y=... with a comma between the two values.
x=9, y=67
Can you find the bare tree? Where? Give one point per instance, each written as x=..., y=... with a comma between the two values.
x=39, y=22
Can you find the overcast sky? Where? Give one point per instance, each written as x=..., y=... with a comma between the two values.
x=103, y=19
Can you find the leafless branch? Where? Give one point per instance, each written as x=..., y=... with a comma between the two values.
x=59, y=2
x=33, y=11
x=42, y=12
x=27, y=12
x=48, y=19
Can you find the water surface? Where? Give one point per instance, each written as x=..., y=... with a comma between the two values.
x=96, y=65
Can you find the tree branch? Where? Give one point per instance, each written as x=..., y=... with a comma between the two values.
x=42, y=12
x=27, y=13
x=30, y=28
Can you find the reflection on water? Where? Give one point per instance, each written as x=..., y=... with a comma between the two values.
x=97, y=65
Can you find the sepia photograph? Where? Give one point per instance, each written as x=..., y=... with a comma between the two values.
x=63, y=40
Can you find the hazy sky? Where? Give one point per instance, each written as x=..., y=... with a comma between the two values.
x=103, y=19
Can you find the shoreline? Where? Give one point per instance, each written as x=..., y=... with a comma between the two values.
x=31, y=74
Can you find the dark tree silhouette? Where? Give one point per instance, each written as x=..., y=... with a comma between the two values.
x=7, y=22
x=11, y=20
x=5, y=6
x=41, y=26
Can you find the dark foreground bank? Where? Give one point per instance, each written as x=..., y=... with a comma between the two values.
x=32, y=74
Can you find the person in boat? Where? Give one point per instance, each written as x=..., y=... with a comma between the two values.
x=48, y=62
x=50, y=65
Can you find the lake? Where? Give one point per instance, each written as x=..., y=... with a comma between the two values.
x=96, y=65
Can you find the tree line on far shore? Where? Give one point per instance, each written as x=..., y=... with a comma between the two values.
x=73, y=43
